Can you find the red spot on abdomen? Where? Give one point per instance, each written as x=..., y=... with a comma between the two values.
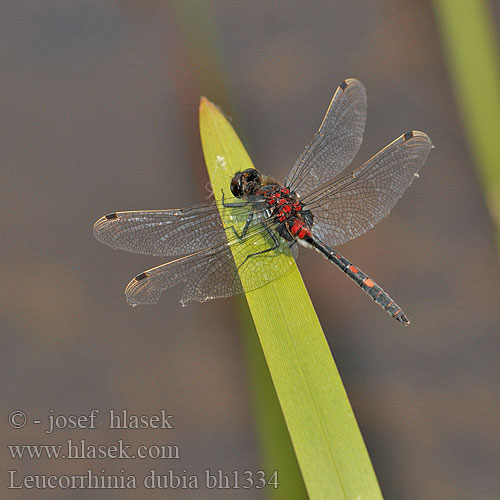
x=299, y=229
x=353, y=269
x=369, y=283
x=296, y=226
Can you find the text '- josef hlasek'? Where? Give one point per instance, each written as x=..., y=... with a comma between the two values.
x=114, y=419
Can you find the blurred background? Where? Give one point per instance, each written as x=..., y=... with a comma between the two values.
x=99, y=113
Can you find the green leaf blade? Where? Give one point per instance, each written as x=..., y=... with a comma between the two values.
x=326, y=439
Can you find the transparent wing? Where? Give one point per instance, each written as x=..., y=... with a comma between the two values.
x=347, y=208
x=336, y=143
x=212, y=273
x=207, y=275
x=165, y=232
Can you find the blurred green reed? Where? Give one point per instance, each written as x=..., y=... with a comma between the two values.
x=470, y=41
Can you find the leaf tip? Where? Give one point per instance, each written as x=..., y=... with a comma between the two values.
x=204, y=102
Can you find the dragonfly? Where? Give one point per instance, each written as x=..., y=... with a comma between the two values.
x=227, y=246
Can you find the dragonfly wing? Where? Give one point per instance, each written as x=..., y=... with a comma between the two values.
x=162, y=232
x=347, y=208
x=212, y=273
x=208, y=275
x=337, y=141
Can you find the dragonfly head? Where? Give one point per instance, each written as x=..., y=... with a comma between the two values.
x=245, y=183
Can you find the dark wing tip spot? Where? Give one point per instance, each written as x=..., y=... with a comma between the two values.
x=111, y=216
x=343, y=85
x=141, y=276
x=408, y=136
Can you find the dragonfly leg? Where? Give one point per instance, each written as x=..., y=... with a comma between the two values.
x=245, y=229
x=226, y=205
x=275, y=245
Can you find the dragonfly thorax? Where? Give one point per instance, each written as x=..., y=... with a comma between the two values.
x=283, y=205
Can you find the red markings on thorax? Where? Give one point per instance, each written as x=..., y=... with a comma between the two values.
x=284, y=209
x=285, y=206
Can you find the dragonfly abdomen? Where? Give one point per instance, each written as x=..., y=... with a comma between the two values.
x=376, y=292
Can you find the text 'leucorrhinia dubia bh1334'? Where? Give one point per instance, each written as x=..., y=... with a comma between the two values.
x=266, y=218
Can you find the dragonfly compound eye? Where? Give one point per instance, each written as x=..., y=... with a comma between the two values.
x=251, y=175
x=245, y=183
